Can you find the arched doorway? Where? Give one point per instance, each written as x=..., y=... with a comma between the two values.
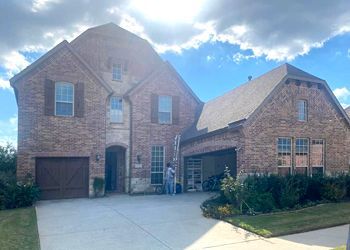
x=115, y=169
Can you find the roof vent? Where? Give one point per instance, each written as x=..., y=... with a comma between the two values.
x=250, y=78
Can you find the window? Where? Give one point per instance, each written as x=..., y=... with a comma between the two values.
x=302, y=110
x=301, y=155
x=284, y=158
x=164, y=109
x=317, y=156
x=116, y=109
x=157, y=165
x=64, y=99
x=117, y=72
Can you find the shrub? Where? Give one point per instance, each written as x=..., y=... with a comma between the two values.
x=260, y=202
x=8, y=157
x=334, y=189
x=266, y=193
x=15, y=195
x=218, y=208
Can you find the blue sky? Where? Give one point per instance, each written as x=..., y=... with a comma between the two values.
x=214, y=47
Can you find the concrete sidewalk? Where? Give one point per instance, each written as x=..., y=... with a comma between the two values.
x=157, y=222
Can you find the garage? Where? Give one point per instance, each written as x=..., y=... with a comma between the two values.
x=62, y=177
x=199, y=168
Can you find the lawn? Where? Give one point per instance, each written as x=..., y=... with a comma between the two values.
x=282, y=223
x=18, y=229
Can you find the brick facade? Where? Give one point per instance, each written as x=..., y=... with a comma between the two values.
x=40, y=135
x=146, y=134
x=256, y=140
x=279, y=118
x=88, y=59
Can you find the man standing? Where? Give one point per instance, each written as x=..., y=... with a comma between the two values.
x=170, y=176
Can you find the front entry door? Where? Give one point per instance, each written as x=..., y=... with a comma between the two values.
x=111, y=171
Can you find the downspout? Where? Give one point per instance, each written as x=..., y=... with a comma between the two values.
x=130, y=140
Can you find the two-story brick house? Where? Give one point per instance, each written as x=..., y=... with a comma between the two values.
x=106, y=105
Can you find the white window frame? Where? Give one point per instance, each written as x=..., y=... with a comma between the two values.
x=170, y=112
x=111, y=109
x=65, y=83
x=163, y=167
x=285, y=152
x=302, y=110
x=307, y=153
x=115, y=73
x=323, y=154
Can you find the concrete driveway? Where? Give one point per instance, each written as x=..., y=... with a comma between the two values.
x=156, y=222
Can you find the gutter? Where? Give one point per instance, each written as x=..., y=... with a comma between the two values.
x=215, y=132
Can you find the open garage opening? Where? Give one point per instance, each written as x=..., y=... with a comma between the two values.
x=202, y=167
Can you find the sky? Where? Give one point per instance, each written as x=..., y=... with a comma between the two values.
x=214, y=45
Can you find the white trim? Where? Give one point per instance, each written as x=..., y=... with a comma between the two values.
x=110, y=110
x=308, y=152
x=170, y=112
x=121, y=71
x=291, y=152
x=164, y=164
x=305, y=110
x=63, y=101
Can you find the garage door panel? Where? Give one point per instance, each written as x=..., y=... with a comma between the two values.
x=76, y=178
x=60, y=178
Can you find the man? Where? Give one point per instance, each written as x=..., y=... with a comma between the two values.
x=170, y=176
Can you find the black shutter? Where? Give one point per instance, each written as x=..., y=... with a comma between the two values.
x=79, y=99
x=176, y=109
x=154, y=108
x=49, y=93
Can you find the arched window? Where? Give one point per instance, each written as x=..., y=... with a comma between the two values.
x=116, y=109
x=64, y=99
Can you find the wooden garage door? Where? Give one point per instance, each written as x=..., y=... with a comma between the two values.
x=60, y=178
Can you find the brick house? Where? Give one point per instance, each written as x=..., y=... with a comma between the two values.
x=106, y=105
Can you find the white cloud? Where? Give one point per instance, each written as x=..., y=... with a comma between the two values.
x=343, y=95
x=239, y=57
x=277, y=30
x=38, y=5
x=4, y=84
x=14, y=62
x=8, y=131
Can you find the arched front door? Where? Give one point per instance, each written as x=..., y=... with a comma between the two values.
x=115, y=169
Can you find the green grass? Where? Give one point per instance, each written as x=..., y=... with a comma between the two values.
x=307, y=219
x=340, y=248
x=18, y=229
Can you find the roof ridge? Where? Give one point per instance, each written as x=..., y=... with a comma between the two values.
x=248, y=82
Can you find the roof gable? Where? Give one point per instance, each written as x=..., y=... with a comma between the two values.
x=49, y=54
x=238, y=105
x=165, y=66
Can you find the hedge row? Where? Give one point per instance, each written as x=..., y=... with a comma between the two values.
x=268, y=193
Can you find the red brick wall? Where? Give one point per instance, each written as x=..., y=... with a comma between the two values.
x=279, y=118
x=145, y=134
x=40, y=135
x=257, y=141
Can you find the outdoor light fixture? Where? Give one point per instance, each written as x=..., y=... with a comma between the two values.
x=98, y=157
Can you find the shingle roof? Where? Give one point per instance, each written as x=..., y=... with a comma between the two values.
x=53, y=51
x=347, y=110
x=238, y=104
